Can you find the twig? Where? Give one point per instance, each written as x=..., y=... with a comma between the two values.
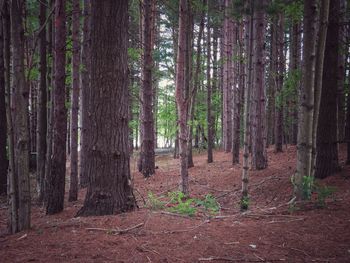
x=188, y=229
x=174, y=214
x=285, y=221
x=239, y=259
x=116, y=231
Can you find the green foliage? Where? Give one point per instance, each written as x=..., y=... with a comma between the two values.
x=290, y=88
x=323, y=192
x=209, y=203
x=183, y=205
x=154, y=203
x=244, y=203
x=307, y=187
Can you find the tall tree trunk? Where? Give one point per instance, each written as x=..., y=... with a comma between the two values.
x=306, y=100
x=279, y=81
x=21, y=131
x=247, y=103
x=109, y=190
x=195, y=88
x=85, y=92
x=327, y=161
x=73, y=189
x=3, y=126
x=259, y=155
x=147, y=121
x=209, y=94
x=180, y=94
x=42, y=107
x=56, y=179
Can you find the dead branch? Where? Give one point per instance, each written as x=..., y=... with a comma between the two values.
x=116, y=231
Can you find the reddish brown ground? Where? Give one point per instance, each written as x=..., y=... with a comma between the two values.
x=269, y=231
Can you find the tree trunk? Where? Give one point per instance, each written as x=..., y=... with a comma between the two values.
x=42, y=107
x=209, y=94
x=73, y=189
x=180, y=94
x=259, y=156
x=56, y=179
x=327, y=161
x=3, y=126
x=279, y=81
x=85, y=92
x=306, y=100
x=109, y=189
x=147, y=121
x=246, y=112
x=21, y=129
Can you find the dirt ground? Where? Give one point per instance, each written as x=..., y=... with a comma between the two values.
x=271, y=230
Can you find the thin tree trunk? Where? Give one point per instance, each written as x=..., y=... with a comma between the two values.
x=85, y=92
x=3, y=124
x=73, y=189
x=56, y=179
x=181, y=96
x=20, y=98
x=109, y=189
x=42, y=107
x=147, y=121
x=209, y=95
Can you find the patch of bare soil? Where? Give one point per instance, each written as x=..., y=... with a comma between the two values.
x=271, y=230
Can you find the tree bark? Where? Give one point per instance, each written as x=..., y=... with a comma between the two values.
x=147, y=121
x=259, y=155
x=73, y=189
x=109, y=189
x=21, y=129
x=85, y=92
x=209, y=94
x=42, y=107
x=306, y=100
x=327, y=161
x=56, y=178
x=181, y=96
x=3, y=124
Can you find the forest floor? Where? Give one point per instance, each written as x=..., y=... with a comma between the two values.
x=270, y=231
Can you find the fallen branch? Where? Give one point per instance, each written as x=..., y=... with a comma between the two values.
x=239, y=259
x=116, y=231
x=174, y=214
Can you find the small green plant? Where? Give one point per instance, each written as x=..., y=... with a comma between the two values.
x=307, y=187
x=154, y=203
x=244, y=203
x=181, y=204
x=176, y=197
x=209, y=203
x=323, y=192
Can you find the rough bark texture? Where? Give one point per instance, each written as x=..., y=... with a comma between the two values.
x=226, y=87
x=109, y=189
x=147, y=122
x=259, y=155
x=56, y=178
x=181, y=96
x=73, y=189
x=42, y=107
x=246, y=111
x=209, y=99
x=279, y=81
x=327, y=161
x=3, y=126
x=85, y=92
x=306, y=100
x=20, y=98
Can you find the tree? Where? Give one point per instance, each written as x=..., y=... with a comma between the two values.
x=3, y=126
x=209, y=95
x=85, y=91
x=147, y=156
x=107, y=159
x=306, y=100
x=56, y=178
x=73, y=190
x=259, y=156
x=20, y=117
x=327, y=131
x=181, y=100
x=42, y=106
